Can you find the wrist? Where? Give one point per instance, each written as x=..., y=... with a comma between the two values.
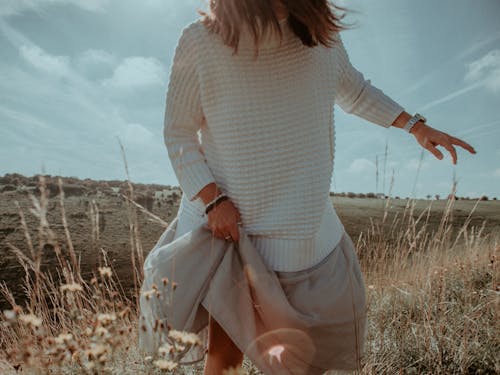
x=401, y=120
x=208, y=193
x=419, y=125
x=409, y=123
x=215, y=202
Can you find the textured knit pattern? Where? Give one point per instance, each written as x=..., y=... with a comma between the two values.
x=267, y=134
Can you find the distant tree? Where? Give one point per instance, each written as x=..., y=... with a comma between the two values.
x=370, y=195
x=483, y=198
x=494, y=198
x=437, y=196
x=361, y=195
x=428, y=196
x=350, y=194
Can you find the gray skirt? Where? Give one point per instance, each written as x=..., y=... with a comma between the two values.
x=302, y=322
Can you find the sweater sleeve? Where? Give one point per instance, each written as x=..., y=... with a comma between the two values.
x=358, y=96
x=183, y=117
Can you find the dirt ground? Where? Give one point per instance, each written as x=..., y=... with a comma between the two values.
x=357, y=214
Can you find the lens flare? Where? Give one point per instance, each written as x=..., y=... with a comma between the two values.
x=275, y=352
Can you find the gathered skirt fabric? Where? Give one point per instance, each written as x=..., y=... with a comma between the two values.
x=302, y=322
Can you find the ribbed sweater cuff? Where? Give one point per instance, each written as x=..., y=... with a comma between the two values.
x=194, y=177
x=377, y=107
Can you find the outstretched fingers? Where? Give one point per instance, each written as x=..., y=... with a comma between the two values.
x=432, y=148
x=451, y=149
x=463, y=144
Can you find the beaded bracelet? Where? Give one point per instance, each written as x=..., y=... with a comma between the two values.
x=213, y=203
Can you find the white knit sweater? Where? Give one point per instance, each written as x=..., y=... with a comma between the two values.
x=267, y=135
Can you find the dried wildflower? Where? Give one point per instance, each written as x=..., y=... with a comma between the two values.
x=371, y=286
x=164, y=281
x=102, y=359
x=96, y=350
x=10, y=315
x=106, y=318
x=164, y=364
x=76, y=357
x=73, y=287
x=101, y=331
x=147, y=294
x=165, y=349
x=63, y=337
x=185, y=337
x=105, y=271
x=30, y=319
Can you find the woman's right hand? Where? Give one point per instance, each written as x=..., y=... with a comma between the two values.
x=224, y=217
x=223, y=220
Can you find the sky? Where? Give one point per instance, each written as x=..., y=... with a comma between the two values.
x=81, y=76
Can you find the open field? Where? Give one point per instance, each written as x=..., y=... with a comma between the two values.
x=356, y=214
x=431, y=268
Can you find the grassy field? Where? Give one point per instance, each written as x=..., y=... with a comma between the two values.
x=71, y=269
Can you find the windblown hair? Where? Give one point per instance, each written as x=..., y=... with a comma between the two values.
x=313, y=21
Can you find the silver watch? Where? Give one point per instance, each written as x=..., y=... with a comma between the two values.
x=412, y=121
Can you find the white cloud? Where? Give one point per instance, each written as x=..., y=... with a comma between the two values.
x=41, y=60
x=96, y=57
x=95, y=63
x=361, y=165
x=482, y=73
x=487, y=70
x=11, y=7
x=136, y=72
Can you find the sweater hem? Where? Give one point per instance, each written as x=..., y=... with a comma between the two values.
x=279, y=254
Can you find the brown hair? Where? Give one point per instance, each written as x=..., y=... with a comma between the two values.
x=313, y=21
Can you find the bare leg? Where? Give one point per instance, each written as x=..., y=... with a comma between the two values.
x=222, y=352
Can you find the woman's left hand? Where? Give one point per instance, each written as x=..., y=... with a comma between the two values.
x=429, y=138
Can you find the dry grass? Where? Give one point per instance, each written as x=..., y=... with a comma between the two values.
x=433, y=301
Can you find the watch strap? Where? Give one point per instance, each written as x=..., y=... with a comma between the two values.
x=413, y=120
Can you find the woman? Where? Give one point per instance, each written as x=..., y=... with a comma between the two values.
x=259, y=80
